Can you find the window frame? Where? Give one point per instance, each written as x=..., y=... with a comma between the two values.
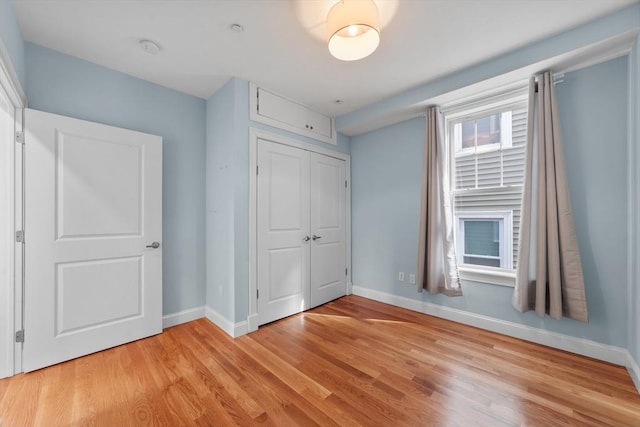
x=506, y=139
x=469, y=109
x=505, y=219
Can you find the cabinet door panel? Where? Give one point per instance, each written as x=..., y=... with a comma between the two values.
x=289, y=115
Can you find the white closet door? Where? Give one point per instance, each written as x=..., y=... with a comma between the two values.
x=93, y=203
x=282, y=228
x=328, y=229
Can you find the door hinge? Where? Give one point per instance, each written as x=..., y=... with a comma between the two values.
x=20, y=335
x=20, y=236
x=346, y=271
x=257, y=169
x=345, y=184
x=257, y=100
x=257, y=293
x=20, y=137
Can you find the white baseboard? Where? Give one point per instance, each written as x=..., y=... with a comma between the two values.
x=232, y=329
x=252, y=323
x=183, y=316
x=240, y=328
x=634, y=370
x=596, y=350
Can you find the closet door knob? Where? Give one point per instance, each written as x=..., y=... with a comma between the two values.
x=306, y=239
x=316, y=237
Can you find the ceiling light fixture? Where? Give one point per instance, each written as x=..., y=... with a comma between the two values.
x=353, y=29
x=149, y=46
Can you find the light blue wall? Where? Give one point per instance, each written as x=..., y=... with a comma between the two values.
x=228, y=110
x=593, y=108
x=386, y=178
x=607, y=27
x=12, y=39
x=219, y=199
x=65, y=85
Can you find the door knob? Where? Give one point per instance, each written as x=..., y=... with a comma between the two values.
x=306, y=238
x=316, y=237
x=154, y=245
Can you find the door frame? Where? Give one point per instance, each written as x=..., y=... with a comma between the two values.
x=254, y=136
x=11, y=219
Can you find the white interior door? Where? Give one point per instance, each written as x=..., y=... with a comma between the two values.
x=93, y=203
x=328, y=228
x=282, y=231
x=301, y=230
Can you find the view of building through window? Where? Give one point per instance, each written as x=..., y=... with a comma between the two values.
x=481, y=132
x=488, y=149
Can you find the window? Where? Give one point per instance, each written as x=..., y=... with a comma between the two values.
x=487, y=147
x=491, y=132
x=484, y=238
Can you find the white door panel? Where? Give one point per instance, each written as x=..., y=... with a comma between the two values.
x=299, y=194
x=328, y=228
x=282, y=224
x=91, y=199
x=93, y=203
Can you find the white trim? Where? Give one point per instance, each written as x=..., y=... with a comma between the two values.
x=234, y=330
x=9, y=79
x=486, y=103
x=482, y=190
x=10, y=221
x=252, y=318
x=252, y=323
x=256, y=117
x=183, y=316
x=608, y=353
x=254, y=136
x=490, y=275
x=240, y=328
x=634, y=370
x=7, y=242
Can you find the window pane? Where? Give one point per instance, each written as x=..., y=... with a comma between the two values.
x=482, y=237
x=489, y=130
x=468, y=134
x=489, y=262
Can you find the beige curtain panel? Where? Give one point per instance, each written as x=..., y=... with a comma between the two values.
x=437, y=264
x=549, y=276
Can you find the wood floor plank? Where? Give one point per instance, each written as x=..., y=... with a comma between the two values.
x=352, y=362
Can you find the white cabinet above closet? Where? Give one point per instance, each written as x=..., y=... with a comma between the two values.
x=280, y=112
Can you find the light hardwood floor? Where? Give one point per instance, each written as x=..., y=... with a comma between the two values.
x=351, y=362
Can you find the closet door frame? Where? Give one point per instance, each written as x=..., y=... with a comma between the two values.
x=254, y=136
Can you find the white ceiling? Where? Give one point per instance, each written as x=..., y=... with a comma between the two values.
x=283, y=48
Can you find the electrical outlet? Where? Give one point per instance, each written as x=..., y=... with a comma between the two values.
x=412, y=279
x=401, y=276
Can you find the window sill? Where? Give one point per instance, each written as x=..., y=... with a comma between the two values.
x=492, y=276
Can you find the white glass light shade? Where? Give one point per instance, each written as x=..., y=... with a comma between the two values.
x=353, y=30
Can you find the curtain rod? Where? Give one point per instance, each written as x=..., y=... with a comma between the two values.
x=557, y=79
